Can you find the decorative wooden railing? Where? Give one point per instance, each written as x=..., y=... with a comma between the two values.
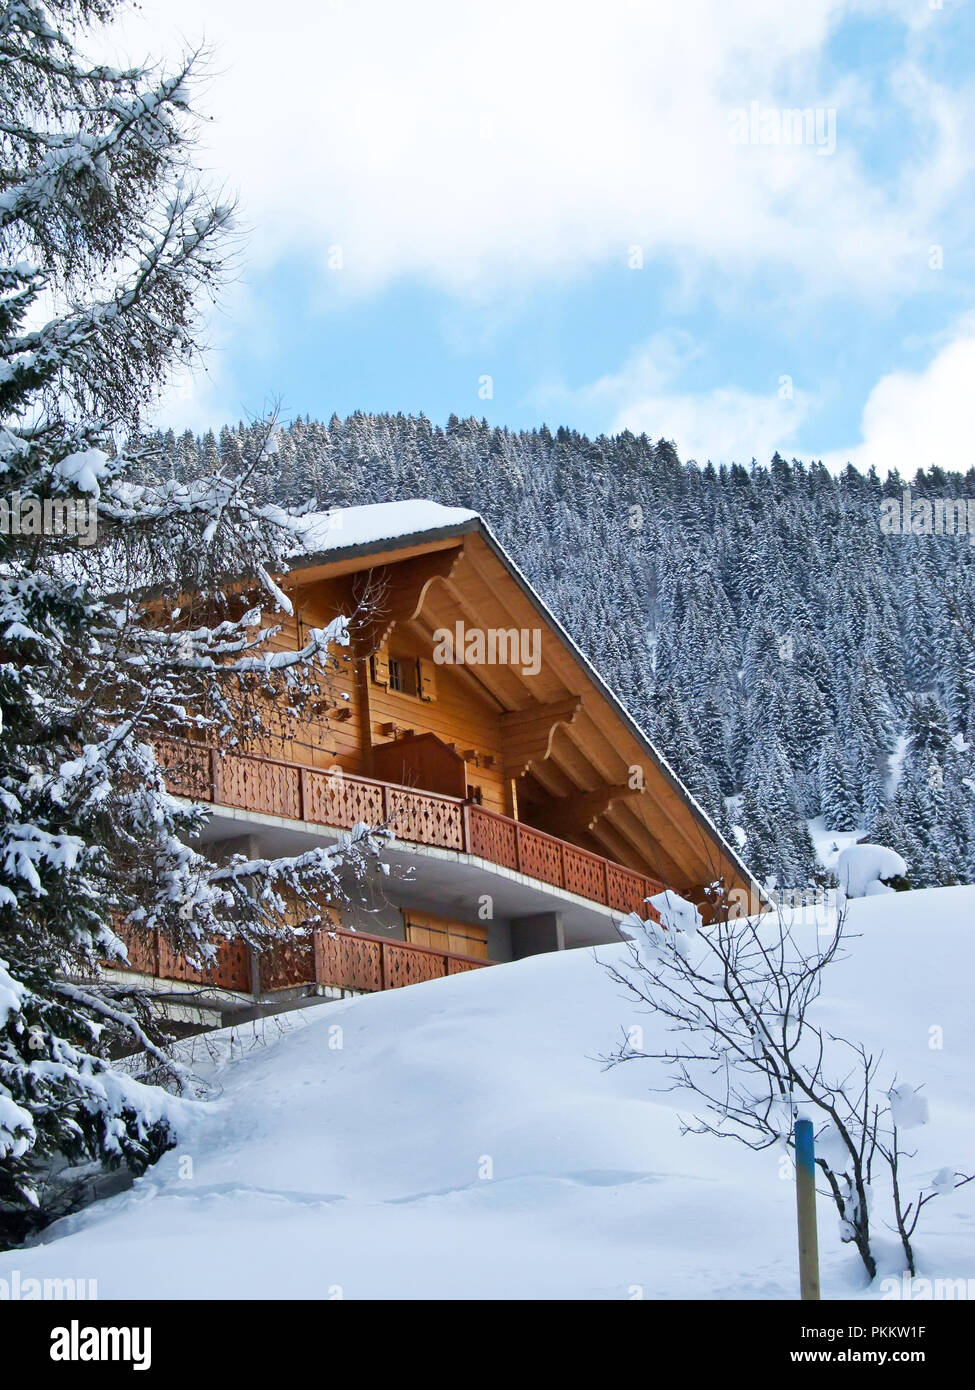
x=337, y=958
x=340, y=801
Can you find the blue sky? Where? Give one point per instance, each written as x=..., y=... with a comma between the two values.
x=596, y=216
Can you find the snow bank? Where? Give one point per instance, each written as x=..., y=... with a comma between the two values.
x=861, y=870
x=460, y=1139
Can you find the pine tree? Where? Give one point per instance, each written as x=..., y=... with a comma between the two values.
x=837, y=788
x=676, y=739
x=106, y=244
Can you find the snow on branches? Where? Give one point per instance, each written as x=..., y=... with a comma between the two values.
x=164, y=618
x=747, y=1043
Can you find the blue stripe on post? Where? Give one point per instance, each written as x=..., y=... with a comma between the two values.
x=806, y=1210
x=805, y=1148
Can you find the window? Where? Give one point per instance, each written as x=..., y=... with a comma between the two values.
x=407, y=675
x=403, y=675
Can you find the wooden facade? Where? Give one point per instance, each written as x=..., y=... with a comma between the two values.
x=550, y=748
x=514, y=755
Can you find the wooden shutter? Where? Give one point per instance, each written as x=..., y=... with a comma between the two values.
x=418, y=935
x=427, y=672
x=464, y=940
x=379, y=662
x=460, y=938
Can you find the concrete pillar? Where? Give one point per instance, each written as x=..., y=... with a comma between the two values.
x=533, y=936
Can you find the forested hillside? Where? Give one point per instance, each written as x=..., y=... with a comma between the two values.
x=791, y=659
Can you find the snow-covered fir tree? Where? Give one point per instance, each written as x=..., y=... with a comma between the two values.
x=164, y=622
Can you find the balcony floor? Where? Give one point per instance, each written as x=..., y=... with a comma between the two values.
x=448, y=881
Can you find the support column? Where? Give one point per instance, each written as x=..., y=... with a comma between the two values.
x=535, y=935
x=365, y=713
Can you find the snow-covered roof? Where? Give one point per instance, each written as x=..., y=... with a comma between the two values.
x=345, y=528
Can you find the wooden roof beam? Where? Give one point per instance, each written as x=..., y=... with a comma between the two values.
x=562, y=665
x=578, y=814
x=402, y=592
x=505, y=678
x=526, y=735
x=573, y=751
x=633, y=839
x=668, y=816
x=550, y=780
x=699, y=857
x=669, y=833
x=485, y=580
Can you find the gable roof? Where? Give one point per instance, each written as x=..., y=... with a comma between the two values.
x=379, y=533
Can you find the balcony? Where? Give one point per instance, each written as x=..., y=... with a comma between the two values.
x=338, y=801
x=316, y=961
x=336, y=959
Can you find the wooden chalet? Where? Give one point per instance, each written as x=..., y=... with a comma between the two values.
x=530, y=812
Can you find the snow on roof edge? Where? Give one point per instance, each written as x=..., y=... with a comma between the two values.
x=347, y=528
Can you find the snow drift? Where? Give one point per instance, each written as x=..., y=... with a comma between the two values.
x=460, y=1139
x=862, y=869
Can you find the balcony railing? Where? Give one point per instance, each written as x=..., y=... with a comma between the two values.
x=337, y=958
x=340, y=801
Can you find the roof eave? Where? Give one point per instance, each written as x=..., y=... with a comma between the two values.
x=364, y=549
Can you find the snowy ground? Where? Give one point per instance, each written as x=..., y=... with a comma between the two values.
x=829, y=844
x=462, y=1141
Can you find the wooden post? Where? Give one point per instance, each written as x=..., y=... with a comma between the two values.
x=255, y=964
x=365, y=714
x=806, y=1210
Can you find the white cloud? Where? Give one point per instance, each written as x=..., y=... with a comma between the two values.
x=724, y=424
x=206, y=395
x=192, y=399
x=479, y=145
x=914, y=419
